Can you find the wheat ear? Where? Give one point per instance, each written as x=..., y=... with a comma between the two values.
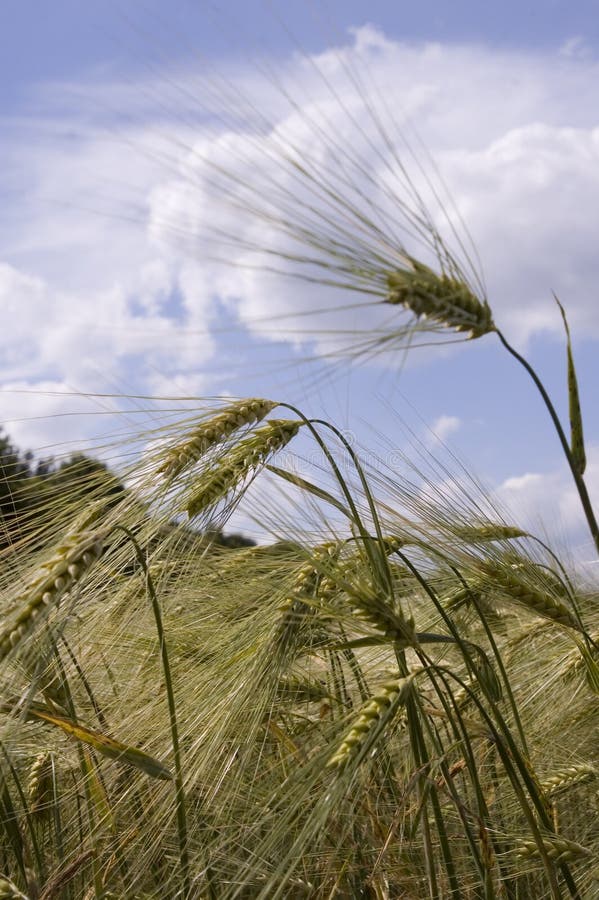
x=488, y=531
x=564, y=779
x=71, y=560
x=313, y=578
x=440, y=299
x=9, y=891
x=233, y=467
x=212, y=432
x=377, y=711
x=508, y=580
x=372, y=607
x=557, y=849
x=39, y=788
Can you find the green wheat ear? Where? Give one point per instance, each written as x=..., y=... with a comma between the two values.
x=439, y=299
x=244, y=459
x=9, y=891
x=61, y=573
x=378, y=711
x=213, y=431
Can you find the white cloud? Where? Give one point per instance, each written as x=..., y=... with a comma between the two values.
x=548, y=503
x=445, y=426
x=575, y=48
x=214, y=202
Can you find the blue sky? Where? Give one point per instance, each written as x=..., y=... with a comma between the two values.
x=137, y=137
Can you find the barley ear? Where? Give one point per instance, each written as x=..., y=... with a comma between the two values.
x=487, y=532
x=563, y=779
x=242, y=460
x=576, y=432
x=376, y=713
x=39, y=787
x=508, y=580
x=440, y=299
x=61, y=573
x=557, y=849
x=9, y=891
x=213, y=431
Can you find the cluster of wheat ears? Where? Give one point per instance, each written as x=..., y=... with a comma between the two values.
x=405, y=706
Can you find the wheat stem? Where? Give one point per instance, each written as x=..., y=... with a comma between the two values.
x=576, y=475
x=172, y=710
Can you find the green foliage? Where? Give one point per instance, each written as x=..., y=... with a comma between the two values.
x=400, y=710
x=27, y=488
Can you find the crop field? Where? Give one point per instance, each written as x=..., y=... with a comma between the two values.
x=393, y=692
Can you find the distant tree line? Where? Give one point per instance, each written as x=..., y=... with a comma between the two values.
x=30, y=487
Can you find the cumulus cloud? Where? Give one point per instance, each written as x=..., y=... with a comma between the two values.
x=445, y=426
x=547, y=502
x=136, y=233
x=514, y=135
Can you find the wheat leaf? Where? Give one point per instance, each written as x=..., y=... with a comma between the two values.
x=576, y=433
x=311, y=488
x=105, y=745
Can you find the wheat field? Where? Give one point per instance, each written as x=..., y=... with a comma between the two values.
x=394, y=694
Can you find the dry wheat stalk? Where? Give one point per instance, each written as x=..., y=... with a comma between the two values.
x=439, y=298
x=247, y=455
x=376, y=711
x=212, y=432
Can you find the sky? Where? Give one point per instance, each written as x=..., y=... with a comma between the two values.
x=165, y=174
